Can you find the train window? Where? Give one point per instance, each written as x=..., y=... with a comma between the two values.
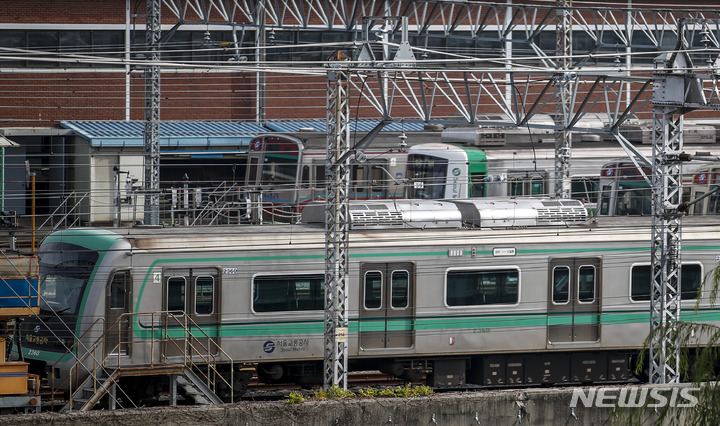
x=714, y=203
x=378, y=182
x=586, y=284
x=252, y=171
x=176, y=294
x=64, y=273
x=633, y=201
x=585, y=189
x=204, y=295
x=470, y=288
x=288, y=293
x=641, y=281
x=120, y=282
x=400, y=289
x=691, y=281
x=516, y=188
x=477, y=184
x=373, y=289
x=429, y=175
x=699, y=207
x=604, y=208
x=319, y=175
x=359, y=182
x=561, y=282
x=305, y=176
x=537, y=187
x=280, y=167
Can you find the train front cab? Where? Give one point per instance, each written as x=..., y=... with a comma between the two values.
x=624, y=191
x=704, y=188
x=449, y=170
x=69, y=262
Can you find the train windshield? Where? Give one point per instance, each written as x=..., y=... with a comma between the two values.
x=429, y=175
x=633, y=200
x=280, y=162
x=64, y=273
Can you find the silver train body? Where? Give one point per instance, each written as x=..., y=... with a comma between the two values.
x=479, y=291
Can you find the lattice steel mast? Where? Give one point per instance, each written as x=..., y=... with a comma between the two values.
x=563, y=103
x=677, y=90
x=337, y=175
x=151, y=143
x=666, y=241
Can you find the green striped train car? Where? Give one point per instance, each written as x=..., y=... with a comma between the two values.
x=477, y=291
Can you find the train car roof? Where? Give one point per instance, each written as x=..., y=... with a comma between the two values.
x=486, y=212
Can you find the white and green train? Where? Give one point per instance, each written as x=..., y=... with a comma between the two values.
x=475, y=291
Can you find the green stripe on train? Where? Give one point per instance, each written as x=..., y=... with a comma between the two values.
x=420, y=323
x=468, y=323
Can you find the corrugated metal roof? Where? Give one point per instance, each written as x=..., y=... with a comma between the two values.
x=171, y=133
x=176, y=134
x=355, y=125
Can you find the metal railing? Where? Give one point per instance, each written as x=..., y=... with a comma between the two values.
x=168, y=331
x=64, y=217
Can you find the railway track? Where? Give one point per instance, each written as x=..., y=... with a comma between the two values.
x=363, y=379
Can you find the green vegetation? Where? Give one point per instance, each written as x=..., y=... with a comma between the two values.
x=699, y=362
x=335, y=392
x=295, y=398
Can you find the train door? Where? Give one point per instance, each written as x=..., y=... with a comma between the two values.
x=387, y=305
x=574, y=300
x=191, y=299
x=606, y=203
x=317, y=179
x=118, y=301
x=371, y=180
x=528, y=183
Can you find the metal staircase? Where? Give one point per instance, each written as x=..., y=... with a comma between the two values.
x=86, y=397
x=98, y=369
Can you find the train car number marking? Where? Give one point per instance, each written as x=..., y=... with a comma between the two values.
x=33, y=352
x=504, y=251
x=230, y=271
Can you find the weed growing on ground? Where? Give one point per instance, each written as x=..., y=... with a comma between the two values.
x=407, y=391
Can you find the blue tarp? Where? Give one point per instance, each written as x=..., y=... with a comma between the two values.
x=18, y=293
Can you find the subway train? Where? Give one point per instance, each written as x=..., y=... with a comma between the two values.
x=486, y=291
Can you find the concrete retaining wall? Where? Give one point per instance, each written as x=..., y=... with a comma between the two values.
x=507, y=407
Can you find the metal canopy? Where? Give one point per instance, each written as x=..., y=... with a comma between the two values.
x=7, y=143
x=171, y=135
x=320, y=125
